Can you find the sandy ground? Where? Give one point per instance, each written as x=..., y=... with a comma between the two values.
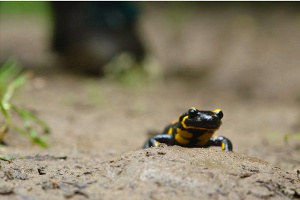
x=245, y=61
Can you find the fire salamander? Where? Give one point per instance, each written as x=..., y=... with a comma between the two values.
x=195, y=128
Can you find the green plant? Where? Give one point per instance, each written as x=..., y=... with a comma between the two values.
x=288, y=136
x=8, y=159
x=11, y=78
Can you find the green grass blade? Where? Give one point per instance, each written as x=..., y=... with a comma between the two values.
x=8, y=71
x=5, y=113
x=25, y=115
x=4, y=128
x=8, y=159
x=11, y=88
x=11, y=78
x=32, y=135
x=36, y=139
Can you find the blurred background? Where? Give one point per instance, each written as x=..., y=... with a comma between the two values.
x=154, y=60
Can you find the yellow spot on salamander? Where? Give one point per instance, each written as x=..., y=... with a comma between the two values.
x=202, y=142
x=170, y=131
x=156, y=143
x=203, y=139
x=181, y=140
x=216, y=110
x=223, y=146
x=184, y=133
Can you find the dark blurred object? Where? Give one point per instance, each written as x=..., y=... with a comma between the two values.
x=89, y=34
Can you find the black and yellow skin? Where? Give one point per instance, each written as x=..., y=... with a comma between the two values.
x=195, y=128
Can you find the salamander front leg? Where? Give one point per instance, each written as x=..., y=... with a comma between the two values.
x=155, y=140
x=222, y=142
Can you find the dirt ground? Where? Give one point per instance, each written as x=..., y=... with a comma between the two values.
x=244, y=61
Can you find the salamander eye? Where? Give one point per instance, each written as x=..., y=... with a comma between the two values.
x=219, y=113
x=192, y=112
